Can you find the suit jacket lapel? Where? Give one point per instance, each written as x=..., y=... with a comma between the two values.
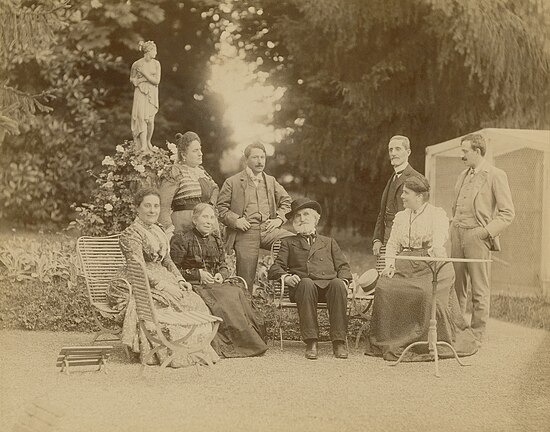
x=270, y=186
x=244, y=184
x=300, y=242
x=319, y=243
x=479, y=183
x=401, y=179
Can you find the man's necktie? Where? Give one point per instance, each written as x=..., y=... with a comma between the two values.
x=310, y=238
x=397, y=174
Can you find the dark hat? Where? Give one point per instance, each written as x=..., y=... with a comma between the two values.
x=302, y=203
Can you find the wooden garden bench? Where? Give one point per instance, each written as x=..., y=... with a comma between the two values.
x=76, y=356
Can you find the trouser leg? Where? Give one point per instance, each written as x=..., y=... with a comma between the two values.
x=247, y=247
x=461, y=270
x=306, y=300
x=337, y=298
x=475, y=247
x=267, y=238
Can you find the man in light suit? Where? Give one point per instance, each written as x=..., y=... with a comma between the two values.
x=482, y=209
x=399, y=149
x=252, y=205
x=315, y=269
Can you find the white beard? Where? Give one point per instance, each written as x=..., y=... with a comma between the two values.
x=307, y=228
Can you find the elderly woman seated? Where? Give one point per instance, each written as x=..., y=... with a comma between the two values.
x=200, y=256
x=402, y=301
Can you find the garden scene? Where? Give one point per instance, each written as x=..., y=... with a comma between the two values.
x=107, y=107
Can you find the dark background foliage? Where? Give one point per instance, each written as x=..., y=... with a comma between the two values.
x=356, y=72
x=360, y=71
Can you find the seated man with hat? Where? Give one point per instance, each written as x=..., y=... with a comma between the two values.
x=316, y=270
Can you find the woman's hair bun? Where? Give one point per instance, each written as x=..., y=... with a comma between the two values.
x=179, y=135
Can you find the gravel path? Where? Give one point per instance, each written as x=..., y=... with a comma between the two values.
x=507, y=388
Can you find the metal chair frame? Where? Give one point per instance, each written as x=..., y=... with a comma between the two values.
x=100, y=258
x=281, y=300
x=147, y=313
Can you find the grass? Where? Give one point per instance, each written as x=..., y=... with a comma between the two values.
x=531, y=312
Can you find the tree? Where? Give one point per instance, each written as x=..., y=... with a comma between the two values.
x=69, y=96
x=359, y=71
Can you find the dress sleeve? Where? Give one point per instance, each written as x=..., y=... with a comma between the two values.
x=215, y=192
x=183, y=257
x=222, y=263
x=169, y=264
x=131, y=244
x=394, y=242
x=440, y=233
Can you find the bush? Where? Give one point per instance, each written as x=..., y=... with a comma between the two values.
x=110, y=209
x=39, y=286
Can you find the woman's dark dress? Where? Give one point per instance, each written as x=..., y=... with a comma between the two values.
x=402, y=304
x=242, y=332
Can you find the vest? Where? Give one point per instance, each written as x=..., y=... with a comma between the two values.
x=257, y=209
x=464, y=214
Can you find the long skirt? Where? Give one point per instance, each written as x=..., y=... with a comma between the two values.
x=133, y=335
x=242, y=332
x=402, y=312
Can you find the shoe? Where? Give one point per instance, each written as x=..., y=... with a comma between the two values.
x=339, y=349
x=311, y=350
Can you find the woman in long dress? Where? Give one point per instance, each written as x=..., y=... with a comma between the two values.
x=145, y=75
x=146, y=241
x=402, y=302
x=188, y=185
x=200, y=256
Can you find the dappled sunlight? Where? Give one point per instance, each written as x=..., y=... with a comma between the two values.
x=250, y=101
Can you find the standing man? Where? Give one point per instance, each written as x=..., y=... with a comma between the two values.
x=482, y=209
x=399, y=149
x=252, y=205
x=316, y=270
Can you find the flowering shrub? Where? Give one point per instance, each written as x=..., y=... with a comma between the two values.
x=110, y=209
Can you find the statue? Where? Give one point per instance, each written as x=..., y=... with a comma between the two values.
x=145, y=75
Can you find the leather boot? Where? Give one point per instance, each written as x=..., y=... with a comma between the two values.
x=311, y=349
x=339, y=349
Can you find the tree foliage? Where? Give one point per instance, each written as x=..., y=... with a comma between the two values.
x=68, y=93
x=359, y=71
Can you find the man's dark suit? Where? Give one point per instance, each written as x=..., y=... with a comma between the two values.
x=323, y=268
x=392, y=196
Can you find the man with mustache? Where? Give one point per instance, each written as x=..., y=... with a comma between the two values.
x=252, y=205
x=482, y=209
x=316, y=270
x=399, y=149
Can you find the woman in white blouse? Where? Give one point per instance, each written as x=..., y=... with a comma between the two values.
x=402, y=301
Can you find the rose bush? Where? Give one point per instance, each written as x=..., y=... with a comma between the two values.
x=110, y=209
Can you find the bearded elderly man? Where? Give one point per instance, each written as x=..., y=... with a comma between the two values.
x=316, y=270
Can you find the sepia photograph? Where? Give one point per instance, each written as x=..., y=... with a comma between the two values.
x=275, y=215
